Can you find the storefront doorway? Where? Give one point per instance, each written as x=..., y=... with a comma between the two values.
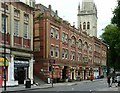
x=21, y=75
x=21, y=70
x=84, y=74
x=64, y=73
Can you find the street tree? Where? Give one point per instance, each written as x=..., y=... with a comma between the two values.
x=116, y=15
x=111, y=37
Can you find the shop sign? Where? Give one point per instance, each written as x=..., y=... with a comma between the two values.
x=21, y=63
x=2, y=62
x=2, y=51
x=52, y=61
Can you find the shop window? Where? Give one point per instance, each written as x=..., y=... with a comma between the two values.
x=78, y=72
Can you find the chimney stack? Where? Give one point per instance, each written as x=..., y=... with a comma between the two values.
x=56, y=12
x=49, y=7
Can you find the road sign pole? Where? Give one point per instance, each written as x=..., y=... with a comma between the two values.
x=52, y=61
x=52, y=74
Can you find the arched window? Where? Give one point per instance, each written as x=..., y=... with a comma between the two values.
x=73, y=41
x=80, y=26
x=88, y=25
x=85, y=45
x=84, y=25
x=79, y=43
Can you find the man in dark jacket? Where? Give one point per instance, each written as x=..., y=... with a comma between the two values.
x=109, y=81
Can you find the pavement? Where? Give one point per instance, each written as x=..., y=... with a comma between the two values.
x=43, y=86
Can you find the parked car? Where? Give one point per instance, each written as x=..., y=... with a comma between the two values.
x=117, y=78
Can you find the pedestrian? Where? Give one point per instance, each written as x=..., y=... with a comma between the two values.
x=113, y=79
x=109, y=81
x=91, y=77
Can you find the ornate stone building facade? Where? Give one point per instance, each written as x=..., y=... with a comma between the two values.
x=87, y=17
x=19, y=42
x=74, y=53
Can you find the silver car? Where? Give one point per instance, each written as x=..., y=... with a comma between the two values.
x=117, y=78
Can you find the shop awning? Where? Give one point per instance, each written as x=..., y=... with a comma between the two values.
x=2, y=61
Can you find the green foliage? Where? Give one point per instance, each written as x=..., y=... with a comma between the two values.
x=111, y=37
x=116, y=16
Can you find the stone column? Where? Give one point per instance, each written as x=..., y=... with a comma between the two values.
x=31, y=69
x=11, y=69
x=11, y=80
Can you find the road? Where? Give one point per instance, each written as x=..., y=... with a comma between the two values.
x=79, y=87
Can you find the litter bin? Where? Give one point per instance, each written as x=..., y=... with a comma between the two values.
x=28, y=83
x=48, y=80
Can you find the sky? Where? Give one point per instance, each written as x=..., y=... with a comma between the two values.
x=68, y=9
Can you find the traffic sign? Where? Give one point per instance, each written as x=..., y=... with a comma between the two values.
x=52, y=61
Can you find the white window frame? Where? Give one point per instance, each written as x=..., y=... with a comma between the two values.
x=63, y=36
x=52, y=51
x=2, y=23
x=79, y=44
x=72, y=55
x=66, y=54
x=66, y=38
x=26, y=17
x=63, y=53
x=52, y=33
x=16, y=13
x=25, y=31
x=73, y=41
x=16, y=27
x=57, y=51
x=57, y=34
x=79, y=56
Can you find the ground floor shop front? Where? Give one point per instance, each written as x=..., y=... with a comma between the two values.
x=68, y=73
x=19, y=67
x=60, y=73
x=65, y=72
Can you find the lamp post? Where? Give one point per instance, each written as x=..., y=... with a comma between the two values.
x=108, y=70
x=4, y=45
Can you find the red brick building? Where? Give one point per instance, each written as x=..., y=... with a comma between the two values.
x=77, y=55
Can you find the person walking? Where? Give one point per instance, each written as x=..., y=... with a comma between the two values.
x=91, y=77
x=113, y=79
x=109, y=81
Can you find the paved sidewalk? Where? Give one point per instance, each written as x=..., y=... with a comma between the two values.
x=33, y=87
x=109, y=89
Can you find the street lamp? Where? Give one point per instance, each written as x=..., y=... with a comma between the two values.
x=4, y=45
